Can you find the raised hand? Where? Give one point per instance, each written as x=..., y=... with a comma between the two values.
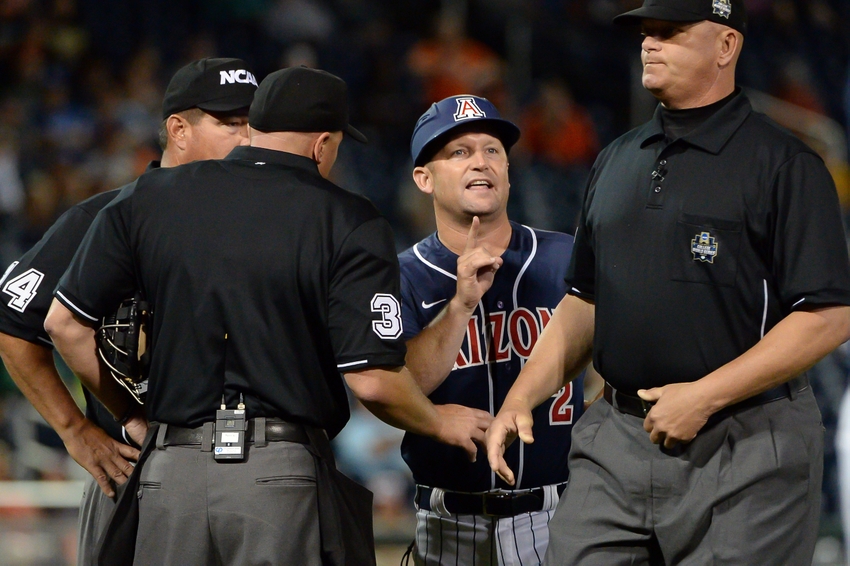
x=476, y=268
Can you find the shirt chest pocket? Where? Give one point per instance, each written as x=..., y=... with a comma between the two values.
x=706, y=250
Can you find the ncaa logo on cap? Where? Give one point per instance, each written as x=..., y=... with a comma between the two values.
x=722, y=8
x=238, y=76
x=467, y=108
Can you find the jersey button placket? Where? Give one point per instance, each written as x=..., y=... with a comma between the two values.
x=656, y=193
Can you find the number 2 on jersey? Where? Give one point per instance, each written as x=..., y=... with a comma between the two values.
x=22, y=288
x=561, y=412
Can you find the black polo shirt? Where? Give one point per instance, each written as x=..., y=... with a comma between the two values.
x=264, y=278
x=692, y=250
x=27, y=287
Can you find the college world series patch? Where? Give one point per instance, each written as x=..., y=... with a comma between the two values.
x=704, y=247
x=722, y=8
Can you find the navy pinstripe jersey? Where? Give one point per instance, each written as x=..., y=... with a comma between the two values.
x=525, y=292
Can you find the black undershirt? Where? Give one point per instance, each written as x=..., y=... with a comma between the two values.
x=679, y=123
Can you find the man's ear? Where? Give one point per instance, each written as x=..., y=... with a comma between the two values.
x=730, y=43
x=177, y=128
x=424, y=179
x=319, y=146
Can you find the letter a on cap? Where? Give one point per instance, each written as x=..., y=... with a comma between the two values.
x=466, y=109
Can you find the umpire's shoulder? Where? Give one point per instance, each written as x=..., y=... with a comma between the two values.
x=92, y=205
x=348, y=208
x=151, y=182
x=773, y=137
x=79, y=217
x=165, y=178
x=633, y=137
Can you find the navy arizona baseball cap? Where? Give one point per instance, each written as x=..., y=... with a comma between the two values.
x=727, y=12
x=301, y=99
x=453, y=112
x=213, y=84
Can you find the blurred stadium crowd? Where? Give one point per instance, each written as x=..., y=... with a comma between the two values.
x=82, y=84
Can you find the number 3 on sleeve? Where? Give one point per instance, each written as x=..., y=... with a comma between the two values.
x=389, y=327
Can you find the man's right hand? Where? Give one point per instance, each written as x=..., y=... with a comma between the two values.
x=504, y=429
x=106, y=459
x=463, y=427
x=476, y=268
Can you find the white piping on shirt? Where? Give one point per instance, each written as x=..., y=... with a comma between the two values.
x=764, y=315
x=431, y=265
x=349, y=364
x=522, y=362
x=75, y=307
x=527, y=262
x=490, y=384
x=8, y=271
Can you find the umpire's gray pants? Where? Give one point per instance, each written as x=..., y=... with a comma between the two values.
x=194, y=510
x=744, y=492
x=95, y=509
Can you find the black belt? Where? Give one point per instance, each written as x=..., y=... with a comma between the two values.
x=276, y=430
x=631, y=405
x=495, y=504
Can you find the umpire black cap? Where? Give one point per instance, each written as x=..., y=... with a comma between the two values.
x=453, y=112
x=300, y=99
x=213, y=84
x=727, y=12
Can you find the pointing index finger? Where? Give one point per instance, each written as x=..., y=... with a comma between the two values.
x=472, y=236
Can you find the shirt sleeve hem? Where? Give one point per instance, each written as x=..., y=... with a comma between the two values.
x=822, y=300
x=72, y=304
x=24, y=333
x=581, y=294
x=360, y=363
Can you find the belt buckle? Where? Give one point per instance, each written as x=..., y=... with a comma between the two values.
x=500, y=495
x=645, y=406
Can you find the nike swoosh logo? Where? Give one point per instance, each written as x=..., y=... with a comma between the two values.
x=429, y=305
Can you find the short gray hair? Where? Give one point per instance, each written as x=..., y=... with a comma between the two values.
x=192, y=115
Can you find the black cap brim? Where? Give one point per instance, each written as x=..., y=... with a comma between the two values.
x=228, y=104
x=356, y=134
x=664, y=13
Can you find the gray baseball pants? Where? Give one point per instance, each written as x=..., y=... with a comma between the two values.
x=195, y=511
x=95, y=509
x=745, y=491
